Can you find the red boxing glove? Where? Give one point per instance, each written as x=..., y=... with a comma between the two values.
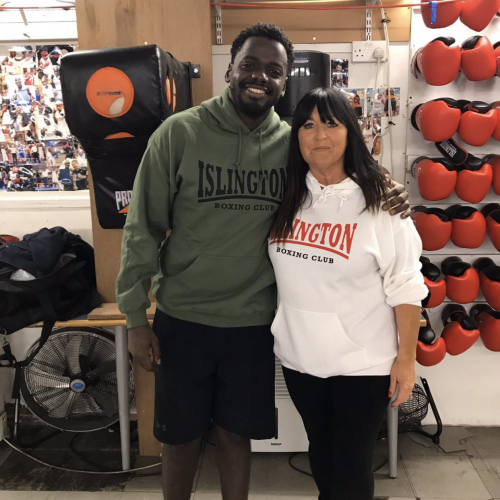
x=496, y=132
x=491, y=213
x=437, y=120
x=474, y=180
x=477, y=14
x=478, y=123
x=430, y=352
x=436, y=286
x=488, y=322
x=494, y=161
x=489, y=277
x=446, y=14
x=478, y=59
x=462, y=280
x=468, y=226
x=433, y=226
x=436, y=177
x=460, y=330
x=438, y=62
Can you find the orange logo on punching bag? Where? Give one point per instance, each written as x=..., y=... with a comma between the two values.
x=110, y=92
x=171, y=94
x=119, y=135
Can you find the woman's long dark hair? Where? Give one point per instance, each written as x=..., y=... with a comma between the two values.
x=358, y=162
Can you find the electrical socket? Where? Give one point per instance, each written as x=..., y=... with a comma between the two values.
x=369, y=51
x=4, y=429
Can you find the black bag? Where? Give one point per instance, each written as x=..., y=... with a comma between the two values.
x=151, y=84
x=60, y=284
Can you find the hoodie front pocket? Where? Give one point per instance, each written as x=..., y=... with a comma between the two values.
x=315, y=343
x=223, y=285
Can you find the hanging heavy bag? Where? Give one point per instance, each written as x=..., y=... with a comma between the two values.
x=114, y=100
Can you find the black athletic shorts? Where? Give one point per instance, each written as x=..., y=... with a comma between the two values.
x=209, y=374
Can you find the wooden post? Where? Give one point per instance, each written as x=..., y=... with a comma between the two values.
x=183, y=29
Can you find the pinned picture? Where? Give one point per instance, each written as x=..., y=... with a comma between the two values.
x=340, y=73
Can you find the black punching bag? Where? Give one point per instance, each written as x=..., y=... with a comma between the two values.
x=310, y=69
x=114, y=100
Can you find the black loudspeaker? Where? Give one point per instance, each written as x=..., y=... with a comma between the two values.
x=114, y=100
x=310, y=69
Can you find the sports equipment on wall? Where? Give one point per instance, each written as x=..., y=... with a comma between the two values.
x=437, y=120
x=489, y=277
x=430, y=351
x=438, y=61
x=488, y=322
x=309, y=70
x=494, y=161
x=479, y=121
x=436, y=177
x=460, y=330
x=475, y=175
x=462, y=280
x=478, y=59
x=478, y=14
x=468, y=226
x=114, y=100
x=445, y=15
x=433, y=226
x=491, y=213
x=436, y=286
x=496, y=131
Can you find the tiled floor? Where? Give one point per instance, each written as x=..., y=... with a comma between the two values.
x=424, y=473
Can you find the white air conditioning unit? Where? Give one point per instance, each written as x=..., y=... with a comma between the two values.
x=290, y=433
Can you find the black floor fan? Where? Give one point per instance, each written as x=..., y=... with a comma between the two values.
x=412, y=412
x=71, y=383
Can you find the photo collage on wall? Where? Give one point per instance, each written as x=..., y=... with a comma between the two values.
x=370, y=105
x=37, y=151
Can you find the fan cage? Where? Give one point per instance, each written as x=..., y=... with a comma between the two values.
x=413, y=411
x=45, y=382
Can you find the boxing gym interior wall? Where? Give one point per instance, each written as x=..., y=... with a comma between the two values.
x=320, y=26
x=465, y=387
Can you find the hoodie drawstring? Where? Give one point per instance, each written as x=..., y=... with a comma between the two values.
x=261, y=161
x=330, y=191
x=238, y=162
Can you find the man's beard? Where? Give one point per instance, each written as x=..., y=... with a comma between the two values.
x=251, y=109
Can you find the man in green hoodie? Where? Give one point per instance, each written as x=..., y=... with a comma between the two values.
x=214, y=176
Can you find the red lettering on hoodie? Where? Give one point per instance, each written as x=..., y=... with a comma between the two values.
x=336, y=238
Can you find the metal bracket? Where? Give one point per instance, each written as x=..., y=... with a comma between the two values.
x=195, y=70
x=369, y=19
x=218, y=24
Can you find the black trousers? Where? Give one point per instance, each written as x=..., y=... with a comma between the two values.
x=342, y=417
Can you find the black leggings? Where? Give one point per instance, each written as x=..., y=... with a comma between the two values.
x=342, y=417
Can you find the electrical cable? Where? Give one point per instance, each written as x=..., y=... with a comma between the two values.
x=14, y=447
x=385, y=21
x=292, y=456
x=100, y=466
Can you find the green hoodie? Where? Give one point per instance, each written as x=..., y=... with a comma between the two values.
x=217, y=186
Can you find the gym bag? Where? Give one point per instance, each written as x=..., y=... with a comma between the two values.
x=48, y=276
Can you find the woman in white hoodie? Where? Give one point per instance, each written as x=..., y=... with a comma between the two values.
x=349, y=282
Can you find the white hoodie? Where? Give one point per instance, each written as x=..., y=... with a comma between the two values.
x=339, y=276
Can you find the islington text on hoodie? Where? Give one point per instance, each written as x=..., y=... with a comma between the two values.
x=340, y=273
x=216, y=185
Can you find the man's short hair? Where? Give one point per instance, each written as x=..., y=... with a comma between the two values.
x=266, y=31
